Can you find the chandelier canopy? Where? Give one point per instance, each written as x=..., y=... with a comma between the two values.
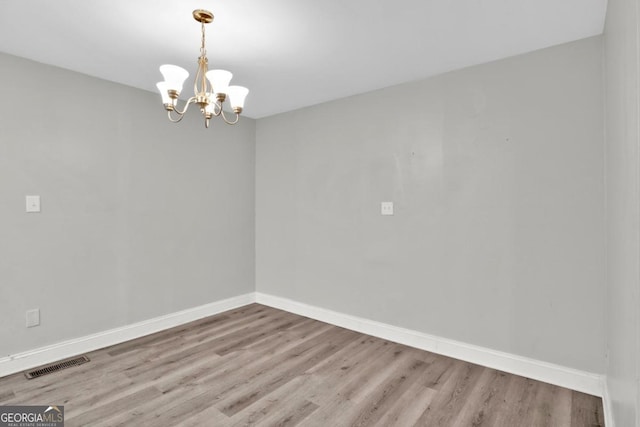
x=211, y=87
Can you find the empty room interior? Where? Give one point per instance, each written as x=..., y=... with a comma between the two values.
x=427, y=213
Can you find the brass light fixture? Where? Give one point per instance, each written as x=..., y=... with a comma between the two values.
x=211, y=87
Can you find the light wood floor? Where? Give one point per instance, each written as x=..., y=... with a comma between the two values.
x=261, y=366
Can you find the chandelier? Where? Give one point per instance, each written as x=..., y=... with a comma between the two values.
x=211, y=87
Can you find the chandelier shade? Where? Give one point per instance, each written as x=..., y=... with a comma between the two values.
x=174, y=77
x=219, y=80
x=211, y=87
x=237, y=95
x=164, y=92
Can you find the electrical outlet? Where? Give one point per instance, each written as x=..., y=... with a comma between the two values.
x=33, y=318
x=386, y=208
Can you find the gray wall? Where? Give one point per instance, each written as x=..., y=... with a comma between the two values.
x=139, y=218
x=623, y=216
x=496, y=172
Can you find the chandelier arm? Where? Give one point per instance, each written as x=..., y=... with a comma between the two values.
x=171, y=119
x=226, y=120
x=186, y=106
x=217, y=109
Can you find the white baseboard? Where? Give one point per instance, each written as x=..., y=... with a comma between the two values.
x=554, y=374
x=52, y=353
x=574, y=379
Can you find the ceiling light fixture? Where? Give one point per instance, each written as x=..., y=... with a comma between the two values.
x=211, y=88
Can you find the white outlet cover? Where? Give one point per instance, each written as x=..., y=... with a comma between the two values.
x=33, y=203
x=386, y=208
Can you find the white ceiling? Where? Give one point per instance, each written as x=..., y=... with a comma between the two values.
x=289, y=53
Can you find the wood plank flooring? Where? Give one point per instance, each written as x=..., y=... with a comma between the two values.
x=258, y=366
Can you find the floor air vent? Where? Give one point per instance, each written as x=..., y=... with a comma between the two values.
x=55, y=367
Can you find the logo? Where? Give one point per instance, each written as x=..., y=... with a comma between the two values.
x=32, y=416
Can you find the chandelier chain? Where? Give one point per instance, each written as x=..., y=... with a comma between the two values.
x=203, y=51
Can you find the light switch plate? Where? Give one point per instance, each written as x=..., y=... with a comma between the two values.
x=33, y=203
x=386, y=208
x=33, y=318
